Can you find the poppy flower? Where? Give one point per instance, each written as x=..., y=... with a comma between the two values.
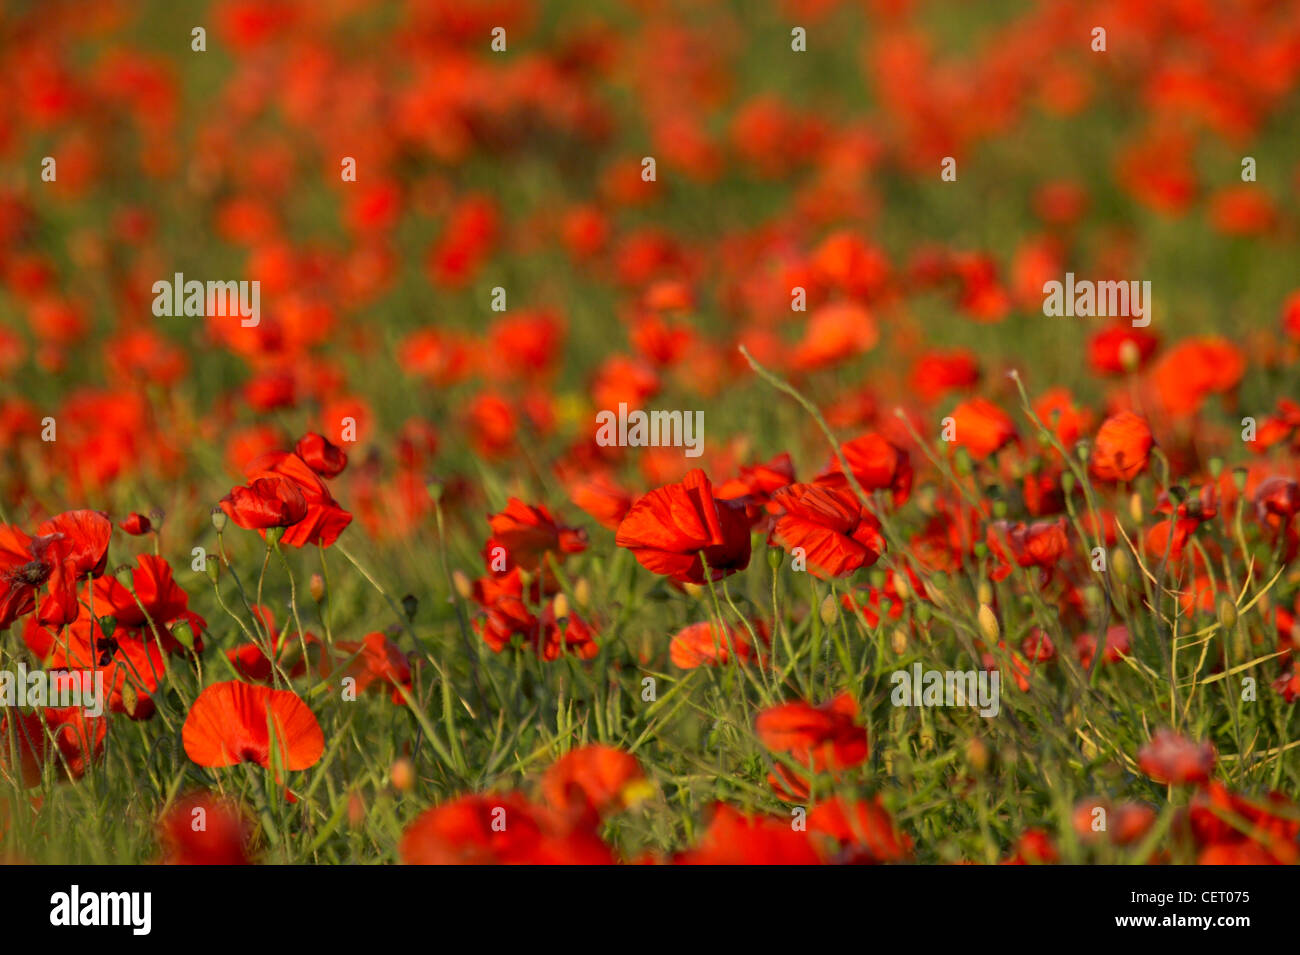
x=250, y=661
x=1120, y=450
x=65, y=550
x=381, y=663
x=754, y=485
x=205, y=829
x=835, y=332
x=591, y=781
x=228, y=725
x=1174, y=759
x=1121, y=349
x=837, y=534
x=265, y=502
x=157, y=598
x=700, y=644
x=878, y=465
x=734, y=838
x=66, y=737
x=674, y=529
x=939, y=372
x=1277, y=500
x=1232, y=829
x=324, y=520
x=859, y=832
x=321, y=455
x=981, y=427
x=1040, y=544
x=600, y=496
x=528, y=533
x=824, y=738
x=1034, y=847
x=131, y=664
x=502, y=829
x=1115, y=646
x=135, y=524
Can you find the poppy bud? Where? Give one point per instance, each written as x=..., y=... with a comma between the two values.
x=317, y=587
x=219, y=519
x=184, y=634
x=898, y=641
x=901, y=587
x=985, y=592
x=1121, y=566
x=560, y=607
x=402, y=775
x=1227, y=613
x=830, y=610
x=693, y=590
x=435, y=489
x=1067, y=483
x=107, y=624
x=1216, y=467
x=988, y=622
x=977, y=755
x=130, y=698
x=1129, y=355
x=213, y=568
x=1135, y=507
x=463, y=587
x=582, y=592
x=775, y=556
x=356, y=810
x=922, y=613
x=410, y=604
x=1239, y=476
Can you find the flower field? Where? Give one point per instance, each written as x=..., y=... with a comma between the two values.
x=772, y=432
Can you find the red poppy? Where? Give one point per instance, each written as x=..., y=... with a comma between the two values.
x=380, y=663
x=859, y=832
x=1171, y=758
x=1277, y=500
x=265, y=502
x=876, y=463
x=837, y=534
x=981, y=427
x=205, y=829
x=324, y=520
x=1040, y=544
x=498, y=830
x=228, y=725
x=157, y=598
x=674, y=529
x=1234, y=830
x=734, y=838
x=591, y=781
x=700, y=644
x=135, y=524
x=528, y=533
x=321, y=455
x=824, y=738
x=1120, y=450
x=65, y=549
x=130, y=662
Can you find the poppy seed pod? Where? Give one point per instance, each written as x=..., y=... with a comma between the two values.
x=219, y=519
x=830, y=610
x=988, y=623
